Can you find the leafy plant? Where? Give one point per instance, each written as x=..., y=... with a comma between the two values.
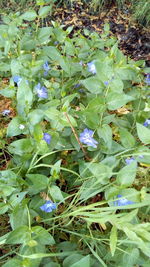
x=73, y=189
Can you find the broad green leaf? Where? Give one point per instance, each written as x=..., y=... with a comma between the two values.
x=20, y=235
x=105, y=132
x=84, y=262
x=116, y=85
x=37, y=183
x=127, y=174
x=93, y=85
x=35, y=116
x=143, y=133
x=3, y=207
x=126, y=138
x=24, y=97
x=131, y=257
x=56, y=193
x=21, y=147
x=44, y=34
x=100, y=171
x=42, y=236
x=113, y=239
x=116, y=100
x=19, y=216
x=13, y=127
x=74, y=259
x=13, y=263
x=8, y=92
x=29, y=15
x=43, y=11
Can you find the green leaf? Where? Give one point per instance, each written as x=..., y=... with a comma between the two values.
x=42, y=236
x=113, y=240
x=126, y=138
x=36, y=116
x=127, y=174
x=131, y=257
x=77, y=260
x=100, y=171
x=84, y=262
x=8, y=92
x=24, y=97
x=21, y=147
x=20, y=235
x=13, y=263
x=29, y=15
x=116, y=100
x=93, y=84
x=3, y=207
x=44, y=34
x=56, y=193
x=43, y=11
x=37, y=183
x=143, y=133
x=13, y=127
x=105, y=132
x=19, y=216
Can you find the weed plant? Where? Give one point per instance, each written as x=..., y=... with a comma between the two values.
x=76, y=187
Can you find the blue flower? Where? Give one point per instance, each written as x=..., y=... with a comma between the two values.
x=86, y=137
x=56, y=43
x=6, y=112
x=41, y=91
x=106, y=83
x=46, y=68
x=77, y=85
x=147, y=80
x=146, y=123
x=48, y=206
x=47, y=138
x=122, y=201
x=91, y=67
x=128, y=161
x=17, y=79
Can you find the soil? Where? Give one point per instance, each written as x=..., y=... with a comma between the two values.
x=134, y=39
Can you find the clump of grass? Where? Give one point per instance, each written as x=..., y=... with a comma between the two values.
x=141, y=11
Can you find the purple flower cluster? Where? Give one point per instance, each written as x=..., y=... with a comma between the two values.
x=49, y=206
x=86, y=137
x=41, y=91
x=122, y=201
x=91, y=67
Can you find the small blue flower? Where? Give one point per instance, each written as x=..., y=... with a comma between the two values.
x=128, y=161
x=77, y=85
x=147, y=80
x=106, y=83
x=47, y=138
x=56, y=43
x=6, y=112
x=146, y=123
x=122, y=201
x=17, y=79
x=41, y=91
x=86, y=137
x=49, y=206
x=91, y=67
x=46, y=68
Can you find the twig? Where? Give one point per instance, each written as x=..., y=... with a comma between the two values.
x=76, y=136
